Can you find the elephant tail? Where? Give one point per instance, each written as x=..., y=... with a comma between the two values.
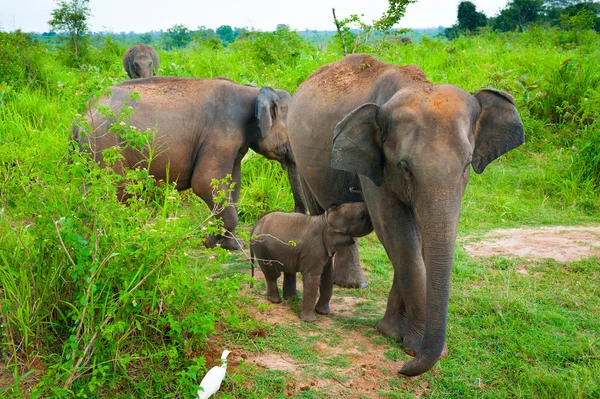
x=252, y=261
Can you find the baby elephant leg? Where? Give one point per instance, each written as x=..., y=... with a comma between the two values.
x=325, y=289
x=289, y=285
x=271, y=276
x=310, y=287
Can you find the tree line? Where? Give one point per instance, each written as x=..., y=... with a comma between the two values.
x=520, y=14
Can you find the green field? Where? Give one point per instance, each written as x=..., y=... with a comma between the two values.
x=103, y=300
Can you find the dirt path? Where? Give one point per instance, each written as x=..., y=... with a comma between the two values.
x=561, y=243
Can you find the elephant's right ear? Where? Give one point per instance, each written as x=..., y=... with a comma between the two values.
x=267, y=109
x=155, y=61
x=355, y=147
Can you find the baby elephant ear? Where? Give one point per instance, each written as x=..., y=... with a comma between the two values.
x=355, y=144
x=499, y=128
x=267, y=109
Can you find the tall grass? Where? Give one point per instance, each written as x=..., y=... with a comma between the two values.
x=99, y=293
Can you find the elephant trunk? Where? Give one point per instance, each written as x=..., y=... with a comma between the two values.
x=438, y=223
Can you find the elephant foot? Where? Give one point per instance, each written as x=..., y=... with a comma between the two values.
x=274, y=298
x=229, y=243
x=354, y=280
x=394, y=330
x=308, y=316
x=413, y=346
x=322, y=309
x=346, y=269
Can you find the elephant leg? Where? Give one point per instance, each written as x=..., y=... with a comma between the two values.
x=289, y=285
x=347, y=272
x=271, y=277
x=325, y=289
x=201, y=179
x=396, y=228
x=310, y=288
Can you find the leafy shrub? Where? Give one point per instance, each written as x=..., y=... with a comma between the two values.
x=23, y=59
x=282, y=47
x=94, y=287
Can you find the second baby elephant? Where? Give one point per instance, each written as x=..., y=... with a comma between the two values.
x=292, y=242
x=140, y=61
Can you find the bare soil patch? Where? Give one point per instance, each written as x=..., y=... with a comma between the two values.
x=352, y=366
x=561, y=243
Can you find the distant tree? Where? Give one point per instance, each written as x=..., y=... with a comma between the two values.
x=283, y=26
x=565, y=16
x=145, y=38
x=583, y=20
x=518, y=14
x=225, y=33
x=71, y=17
x=177, y=36
x=469, y=18
x=564, y=3
x=237, y=32
x=384, y=25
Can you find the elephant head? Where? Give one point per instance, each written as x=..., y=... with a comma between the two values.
x=140, y=61
x=273, y=141
x=345, y=222
x=416, y=150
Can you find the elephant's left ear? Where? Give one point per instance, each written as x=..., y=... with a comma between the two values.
x=355, y=144
x=267, y=109
x=499, y=128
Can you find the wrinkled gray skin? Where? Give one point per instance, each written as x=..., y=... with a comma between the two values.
x=140, y=61
x=203, y=128
x=316, y=239
x=409, y=145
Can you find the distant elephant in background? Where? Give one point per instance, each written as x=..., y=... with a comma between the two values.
x=361, y=126
x=403, y=40
x=203, y=128
x=140, y=61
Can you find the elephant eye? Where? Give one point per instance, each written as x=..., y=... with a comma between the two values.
x=404, y=167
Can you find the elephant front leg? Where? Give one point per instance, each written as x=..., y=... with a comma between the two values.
x=201, y=184
x=346, y=271
x=271, y=277
x=289, y=286
x=310, y=287
x=325, y=289
x=396, y=228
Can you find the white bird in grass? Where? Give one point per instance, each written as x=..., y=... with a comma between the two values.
x=212, y=380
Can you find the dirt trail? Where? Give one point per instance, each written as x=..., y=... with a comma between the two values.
x=365, y=370
x=561, y=243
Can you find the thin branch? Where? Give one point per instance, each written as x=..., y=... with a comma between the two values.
x=339, y=29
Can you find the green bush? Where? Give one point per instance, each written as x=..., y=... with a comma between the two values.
x=23, y=60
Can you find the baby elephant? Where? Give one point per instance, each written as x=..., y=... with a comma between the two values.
x=293, y=242
x=140, y=61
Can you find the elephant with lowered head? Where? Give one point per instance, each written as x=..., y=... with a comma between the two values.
x=202, y=130
x=140, y=61
x=363, y=129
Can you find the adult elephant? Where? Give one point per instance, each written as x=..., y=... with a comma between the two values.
x=203, y=128
x=140, y=61
x=360, y=128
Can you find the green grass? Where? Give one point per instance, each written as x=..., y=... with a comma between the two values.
x=69, y=259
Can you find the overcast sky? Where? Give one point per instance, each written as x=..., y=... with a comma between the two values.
x=143, y=16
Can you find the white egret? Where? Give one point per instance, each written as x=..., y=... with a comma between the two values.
x=212, y=380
